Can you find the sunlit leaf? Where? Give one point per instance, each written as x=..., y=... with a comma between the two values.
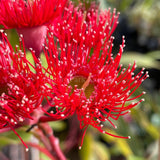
x=13, y=37
x=86, y=151
x=120, y=144
x=141, y=60
x=31, y=60
x=154, y=54
x=100, y=151
x=43, y=60
x=135, y=158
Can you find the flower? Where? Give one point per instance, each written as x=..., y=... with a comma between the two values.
x=21, y=86
x=30, y=18
x=85, y=77
x=76, y=24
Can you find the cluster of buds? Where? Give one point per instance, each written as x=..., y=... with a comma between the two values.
x=82, y=77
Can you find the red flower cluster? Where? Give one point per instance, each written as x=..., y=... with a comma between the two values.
x=82, y=76
x=85, y=77
x=75, y=25
x=29, y=13
x=20, y=92
x=30, y=18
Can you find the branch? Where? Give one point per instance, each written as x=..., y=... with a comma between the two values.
x=54, y=142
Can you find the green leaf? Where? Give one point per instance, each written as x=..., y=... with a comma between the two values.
x=154, y=54
x=86, y=151
x=10, y=137
x=43, y=60
x=58, y=125
x=5, y=141
x=31, y=60
x=141, y=60
x=144, y=122
x=135, y=158
x=100, y=151
x=121, y=144
x=13, y=37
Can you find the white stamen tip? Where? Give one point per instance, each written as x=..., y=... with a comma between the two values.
x=129, y=137
x=27, y=149
x=80, y=147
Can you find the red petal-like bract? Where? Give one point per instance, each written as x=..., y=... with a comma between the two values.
x=84, y=76
x=29, y=13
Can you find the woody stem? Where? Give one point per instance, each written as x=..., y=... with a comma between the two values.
x=54, y=142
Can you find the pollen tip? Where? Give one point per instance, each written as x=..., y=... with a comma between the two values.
x=21, y=35
x=80, y=147
x=1, y=30
x=143, y=99
x=144, y=92
x=27, y=149
x=129, y=137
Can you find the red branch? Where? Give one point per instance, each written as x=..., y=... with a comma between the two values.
x=54, y=142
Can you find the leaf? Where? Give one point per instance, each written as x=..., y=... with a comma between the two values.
x=100, y=151
x=135, y=158
x=58, y=125
x=144, y=122
x=141, y=60
x=86, y=151
x=121, y=144
x=43, y=60
x=92, y=149
x=10, y=137
x=154, y=54
x=5, y=141
x=13, y=37
x=31, y=60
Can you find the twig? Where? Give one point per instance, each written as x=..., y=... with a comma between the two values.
x=54, y=142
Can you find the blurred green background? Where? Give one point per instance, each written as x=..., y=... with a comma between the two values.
x=139, y=21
